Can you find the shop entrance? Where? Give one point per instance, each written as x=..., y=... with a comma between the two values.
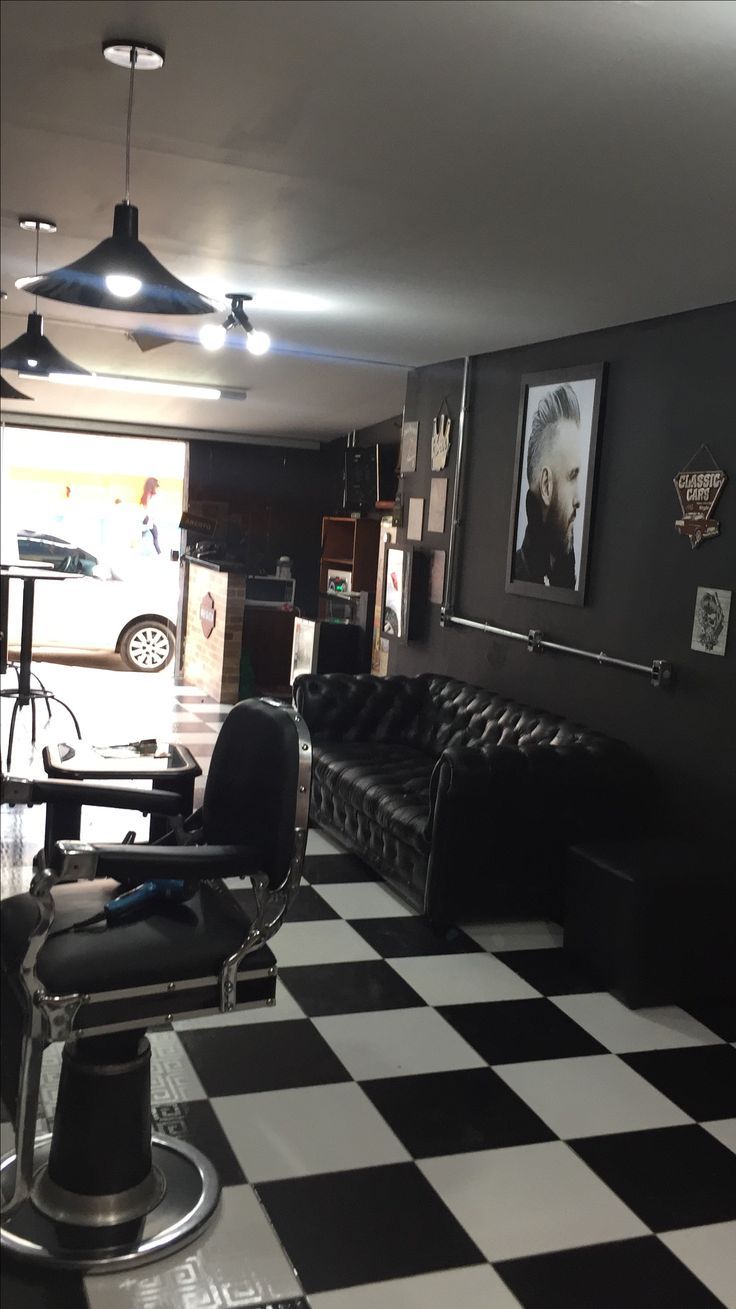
x=104, y=510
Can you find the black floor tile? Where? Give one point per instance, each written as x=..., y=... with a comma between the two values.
x=509, y=1031
x=25, y=1287
x=399, y=938
x=195, y=1121
x=638, y=1274
x=552, y=972
x=322, y=869
x=365, y=1225
x=446, y=1113
x=306, y=907
x=718, y=1015
x=701, y=1080
x=670, y=1177
x=263, y=1057
x=371, y=984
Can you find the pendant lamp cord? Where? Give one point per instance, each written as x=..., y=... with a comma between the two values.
x=38, y=238
x=133, y=58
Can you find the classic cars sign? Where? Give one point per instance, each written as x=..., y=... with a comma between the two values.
x=698, y=490
x=207, y=614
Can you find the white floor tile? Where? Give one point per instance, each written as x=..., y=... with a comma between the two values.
x=364, y=900
x=710, y=1253
x=325, y=942
x=724, y=1130
x=468, y=1288
x=529, y=1199
x=462, y=979
x=192, y=737
x=624, y=1030
x=310, y=1129
x=238, y=1261
x=396, y=1042
x=590, y=1095
x=172, y=1075
x=515, y=934
x=284, y=1008
x=202, y=709
x=317, y=843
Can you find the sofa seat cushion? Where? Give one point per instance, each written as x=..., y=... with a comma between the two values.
x=388, y=784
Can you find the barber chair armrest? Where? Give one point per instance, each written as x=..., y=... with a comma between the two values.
x=73, y=860
x=30, y=791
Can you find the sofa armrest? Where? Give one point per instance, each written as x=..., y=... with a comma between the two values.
x=476, y=797
x=468, y=775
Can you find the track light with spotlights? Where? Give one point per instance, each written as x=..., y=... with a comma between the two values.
x=212, y=335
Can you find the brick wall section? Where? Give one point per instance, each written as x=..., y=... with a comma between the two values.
x=213, y=663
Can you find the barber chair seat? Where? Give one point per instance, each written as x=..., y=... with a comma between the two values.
x=101, y=1192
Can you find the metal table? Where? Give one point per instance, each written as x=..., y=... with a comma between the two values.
x=176, y=771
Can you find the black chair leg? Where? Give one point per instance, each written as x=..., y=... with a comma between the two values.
x=11, y=734
x=64, y=705
x=45, y=693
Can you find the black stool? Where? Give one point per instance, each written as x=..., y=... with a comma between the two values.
x=652, y=920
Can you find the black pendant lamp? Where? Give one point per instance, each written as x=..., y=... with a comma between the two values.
x=121, y=273
x=8, y=392
x=33, y=353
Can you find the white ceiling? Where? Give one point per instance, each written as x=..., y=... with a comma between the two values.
x=450, y=178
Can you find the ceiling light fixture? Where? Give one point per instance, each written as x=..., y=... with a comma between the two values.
x=32, y=352
x=9, y=392
x=212, y=335
x=139, y=386
x=121, y=273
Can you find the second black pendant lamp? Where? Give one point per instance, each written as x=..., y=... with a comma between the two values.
x=121, y=273
x=32, y=352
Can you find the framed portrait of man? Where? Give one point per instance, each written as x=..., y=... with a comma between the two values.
x=554, y=477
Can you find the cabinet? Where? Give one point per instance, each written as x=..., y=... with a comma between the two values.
x=350, y=551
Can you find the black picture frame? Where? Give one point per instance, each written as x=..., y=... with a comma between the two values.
x=529, y=558
x=396, y=593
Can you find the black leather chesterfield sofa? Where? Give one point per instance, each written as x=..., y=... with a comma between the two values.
x=462, y=800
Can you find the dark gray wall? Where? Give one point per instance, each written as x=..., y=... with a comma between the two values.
x=671, y=386
x=282, y=495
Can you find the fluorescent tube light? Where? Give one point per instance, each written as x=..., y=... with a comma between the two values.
x=138, y=386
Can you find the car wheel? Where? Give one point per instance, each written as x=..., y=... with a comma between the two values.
x=147, y=646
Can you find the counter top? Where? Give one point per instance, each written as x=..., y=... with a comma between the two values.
x=217, y=565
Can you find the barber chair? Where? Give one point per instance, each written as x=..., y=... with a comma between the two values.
x=101, y=1192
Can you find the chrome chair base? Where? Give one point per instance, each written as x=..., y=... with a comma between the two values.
x=191, y=1195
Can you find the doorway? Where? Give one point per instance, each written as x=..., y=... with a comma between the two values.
x=105, y=510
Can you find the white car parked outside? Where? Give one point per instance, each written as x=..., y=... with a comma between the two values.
x=130, y=609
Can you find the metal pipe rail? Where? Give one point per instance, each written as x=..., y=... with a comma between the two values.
x=660, y=671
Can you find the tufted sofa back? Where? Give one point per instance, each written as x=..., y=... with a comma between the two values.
x=431, y=713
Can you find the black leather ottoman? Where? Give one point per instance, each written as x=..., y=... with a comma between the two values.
x=653, y=920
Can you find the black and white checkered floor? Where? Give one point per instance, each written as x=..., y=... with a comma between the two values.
x=423, y=1122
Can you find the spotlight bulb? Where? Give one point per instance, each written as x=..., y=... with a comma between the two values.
x=123, y=286
x=258, y=343
x=212, y=336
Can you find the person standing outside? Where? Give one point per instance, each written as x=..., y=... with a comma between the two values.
x=150, y=489
x=547, y=553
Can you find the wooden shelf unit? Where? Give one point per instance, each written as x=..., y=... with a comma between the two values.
x=352, y=544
